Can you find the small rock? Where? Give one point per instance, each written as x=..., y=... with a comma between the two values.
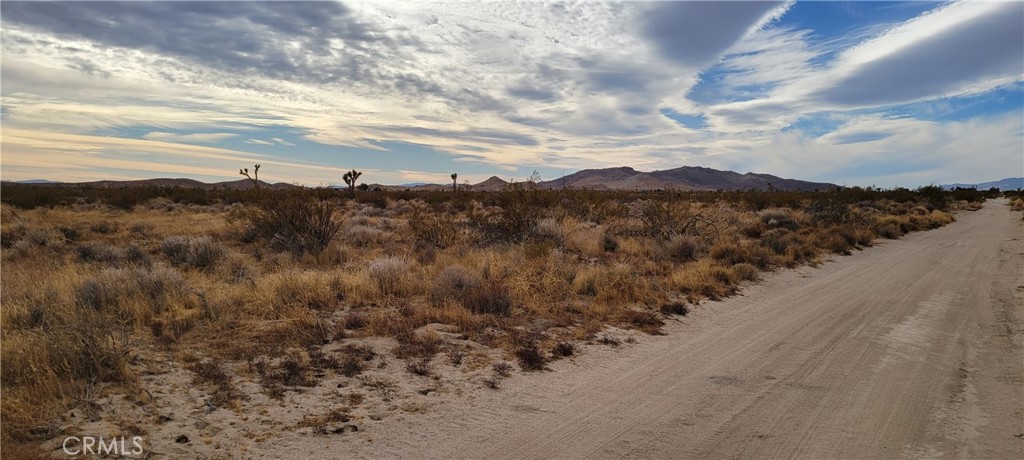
x=441, y=330
x=181, y=439
x=342, y=429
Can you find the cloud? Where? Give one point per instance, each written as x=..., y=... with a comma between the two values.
x=958, y=49
x=44, y=149
x=961, y=48
x=203, y=138
x=282, y=40
x=684, y=33
x=492, y=84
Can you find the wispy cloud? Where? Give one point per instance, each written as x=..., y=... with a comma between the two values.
x=203, y=138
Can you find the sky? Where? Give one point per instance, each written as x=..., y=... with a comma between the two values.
x=855, y=93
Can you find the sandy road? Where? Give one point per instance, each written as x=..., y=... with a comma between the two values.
x=910, y=349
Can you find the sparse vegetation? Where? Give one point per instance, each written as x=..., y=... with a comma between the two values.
x=93, y=278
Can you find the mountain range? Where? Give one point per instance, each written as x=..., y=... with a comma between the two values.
x=1010, y=183
x=621, y=178
x=683, y=178
x=162, y=182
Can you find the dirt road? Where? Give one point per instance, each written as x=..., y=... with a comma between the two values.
x=909, y=349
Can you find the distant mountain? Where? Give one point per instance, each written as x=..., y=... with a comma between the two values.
x=1010, y=183
x=163, y=182
x=683, y=178
x=245, y=184
x=37, y=181
x=492, y=184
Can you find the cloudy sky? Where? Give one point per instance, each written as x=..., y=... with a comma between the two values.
x=857, y=93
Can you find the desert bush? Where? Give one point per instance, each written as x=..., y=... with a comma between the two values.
x=98, y=252
x=587, y=238
x=609, y=242
x=362, y=235
x=563, y=349
x=176, y=249
x=105, y=227
x=745, y=272
x=683, y=248
x=490, y=297
x=388, y=274
x=420, y=366
x=657, y=219
x=294, y=223
x=503, y=368
x=70, y=234
x=100, y=293
x=453, y=283
x=43, y=237
x=644, y=320
x=551, y=229
x=420, y=346
x=141, y=229
x=514, y=220
x=704, y=278
x=202, y=252
x=354, y=321
x=675, y=308
x=137, y=256
x=12, y=234
x=779, y=218
x=891, y=227
x=530, y=358
x=728, y=252
x=80, y=344
x=210, y=374
x=307, y=289
x=829, y=212
x=779, y=240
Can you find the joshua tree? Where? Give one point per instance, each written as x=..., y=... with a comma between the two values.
x=255, y=177
x=350, y=179
x=455, y=181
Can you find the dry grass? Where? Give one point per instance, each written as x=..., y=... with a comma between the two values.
x=86, y=287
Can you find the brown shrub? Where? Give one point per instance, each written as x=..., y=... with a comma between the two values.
x=294, y=223
x=684, y=248
x=389, y=275
x=454, y=283
x=210, y=374
x=745, y=272
x=489, y=297
x=644, y=320
x=675, y=308
x=530, y=358
x=563, y=349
